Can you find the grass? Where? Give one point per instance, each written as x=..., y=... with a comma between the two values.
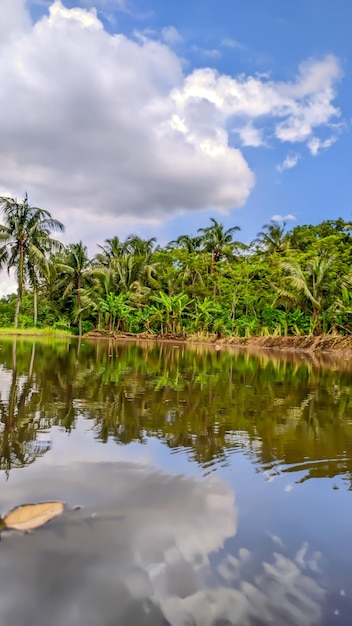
x=43, y=332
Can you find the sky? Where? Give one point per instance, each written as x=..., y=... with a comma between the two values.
x=151, y=116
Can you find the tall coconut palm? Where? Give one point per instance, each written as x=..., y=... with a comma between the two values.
x=75, y=269
x=190, y=244
x=218, y=241
x=311, y=284
x=136, y=265
x=139, y=247
x=25, y=243
x=273, y=239
x=109, y=252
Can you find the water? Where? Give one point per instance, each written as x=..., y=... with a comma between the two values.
x=201, y=488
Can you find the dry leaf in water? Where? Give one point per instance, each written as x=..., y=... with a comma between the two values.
x=30, y=516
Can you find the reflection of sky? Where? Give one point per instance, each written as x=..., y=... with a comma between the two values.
x=145, y=544
x=172, y=545
x=6, y=380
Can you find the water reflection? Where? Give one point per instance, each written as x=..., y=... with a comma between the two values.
x=287, y=415
x=151, y=551
x=149, y=547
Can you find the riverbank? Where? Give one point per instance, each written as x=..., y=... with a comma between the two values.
x=35, y=332
x=306, y=343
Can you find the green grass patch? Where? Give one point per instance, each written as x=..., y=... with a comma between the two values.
x=41, y=332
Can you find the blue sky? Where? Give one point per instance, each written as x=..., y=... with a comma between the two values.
x=150, y=116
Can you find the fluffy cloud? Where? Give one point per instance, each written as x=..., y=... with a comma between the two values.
x=153, y=552
x=289, y=162
x=14, y=20
x=90, y=125
x=315, y=144
x=283, y=218
x=249, y=135
x=171, y=35
x=232, y=43
x=297, y=107
x=101, y=126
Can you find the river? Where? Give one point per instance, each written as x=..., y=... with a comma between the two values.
x=201, y=487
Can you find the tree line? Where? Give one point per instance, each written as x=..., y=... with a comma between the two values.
x=285, y=282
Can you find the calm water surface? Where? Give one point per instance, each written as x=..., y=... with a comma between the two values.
x=214, y=487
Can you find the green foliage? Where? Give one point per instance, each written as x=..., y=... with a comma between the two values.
x=284, y=283
x=25, y=245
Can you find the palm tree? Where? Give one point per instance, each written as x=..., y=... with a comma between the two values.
x=219, y=242
x=139, y=247
x=112, y=250
x=190, y=244
x=26, y=242
x=135, y=268
x=312, y=283
x=273, y=239
x=74, y=271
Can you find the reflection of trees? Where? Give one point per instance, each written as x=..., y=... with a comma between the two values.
x=18, y=445
x=28, y=406
x=286, y=413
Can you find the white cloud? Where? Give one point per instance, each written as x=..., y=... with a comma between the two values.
x=249, y=135
x=283, y=218
x=315, y=144
x=297, y=108
x=171, y=35
x=102, y=126
x=289, y=162
x=211, y=53
x=227, y=42
x=14, y=20
x=89, y=127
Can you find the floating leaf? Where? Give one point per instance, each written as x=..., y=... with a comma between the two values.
x=30, y=516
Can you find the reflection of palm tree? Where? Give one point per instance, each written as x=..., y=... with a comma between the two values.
x=193, y=399
x=18, y=445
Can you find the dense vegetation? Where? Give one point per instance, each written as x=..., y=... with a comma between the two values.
x=286, y=282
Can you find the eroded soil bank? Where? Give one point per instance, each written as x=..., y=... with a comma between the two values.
x=308, y=343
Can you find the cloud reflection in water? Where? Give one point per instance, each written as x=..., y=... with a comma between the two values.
x=148, y=548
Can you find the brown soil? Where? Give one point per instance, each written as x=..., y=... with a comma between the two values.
x=308, y=343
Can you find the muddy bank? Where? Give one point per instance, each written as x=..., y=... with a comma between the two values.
x=308, y=343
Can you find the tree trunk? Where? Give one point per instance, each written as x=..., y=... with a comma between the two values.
x=35, y=304
x=18, y=302
x=79, y=307
x=20, y=286
x=316, y=321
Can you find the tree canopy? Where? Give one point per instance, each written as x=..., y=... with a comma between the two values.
x=284, y=282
